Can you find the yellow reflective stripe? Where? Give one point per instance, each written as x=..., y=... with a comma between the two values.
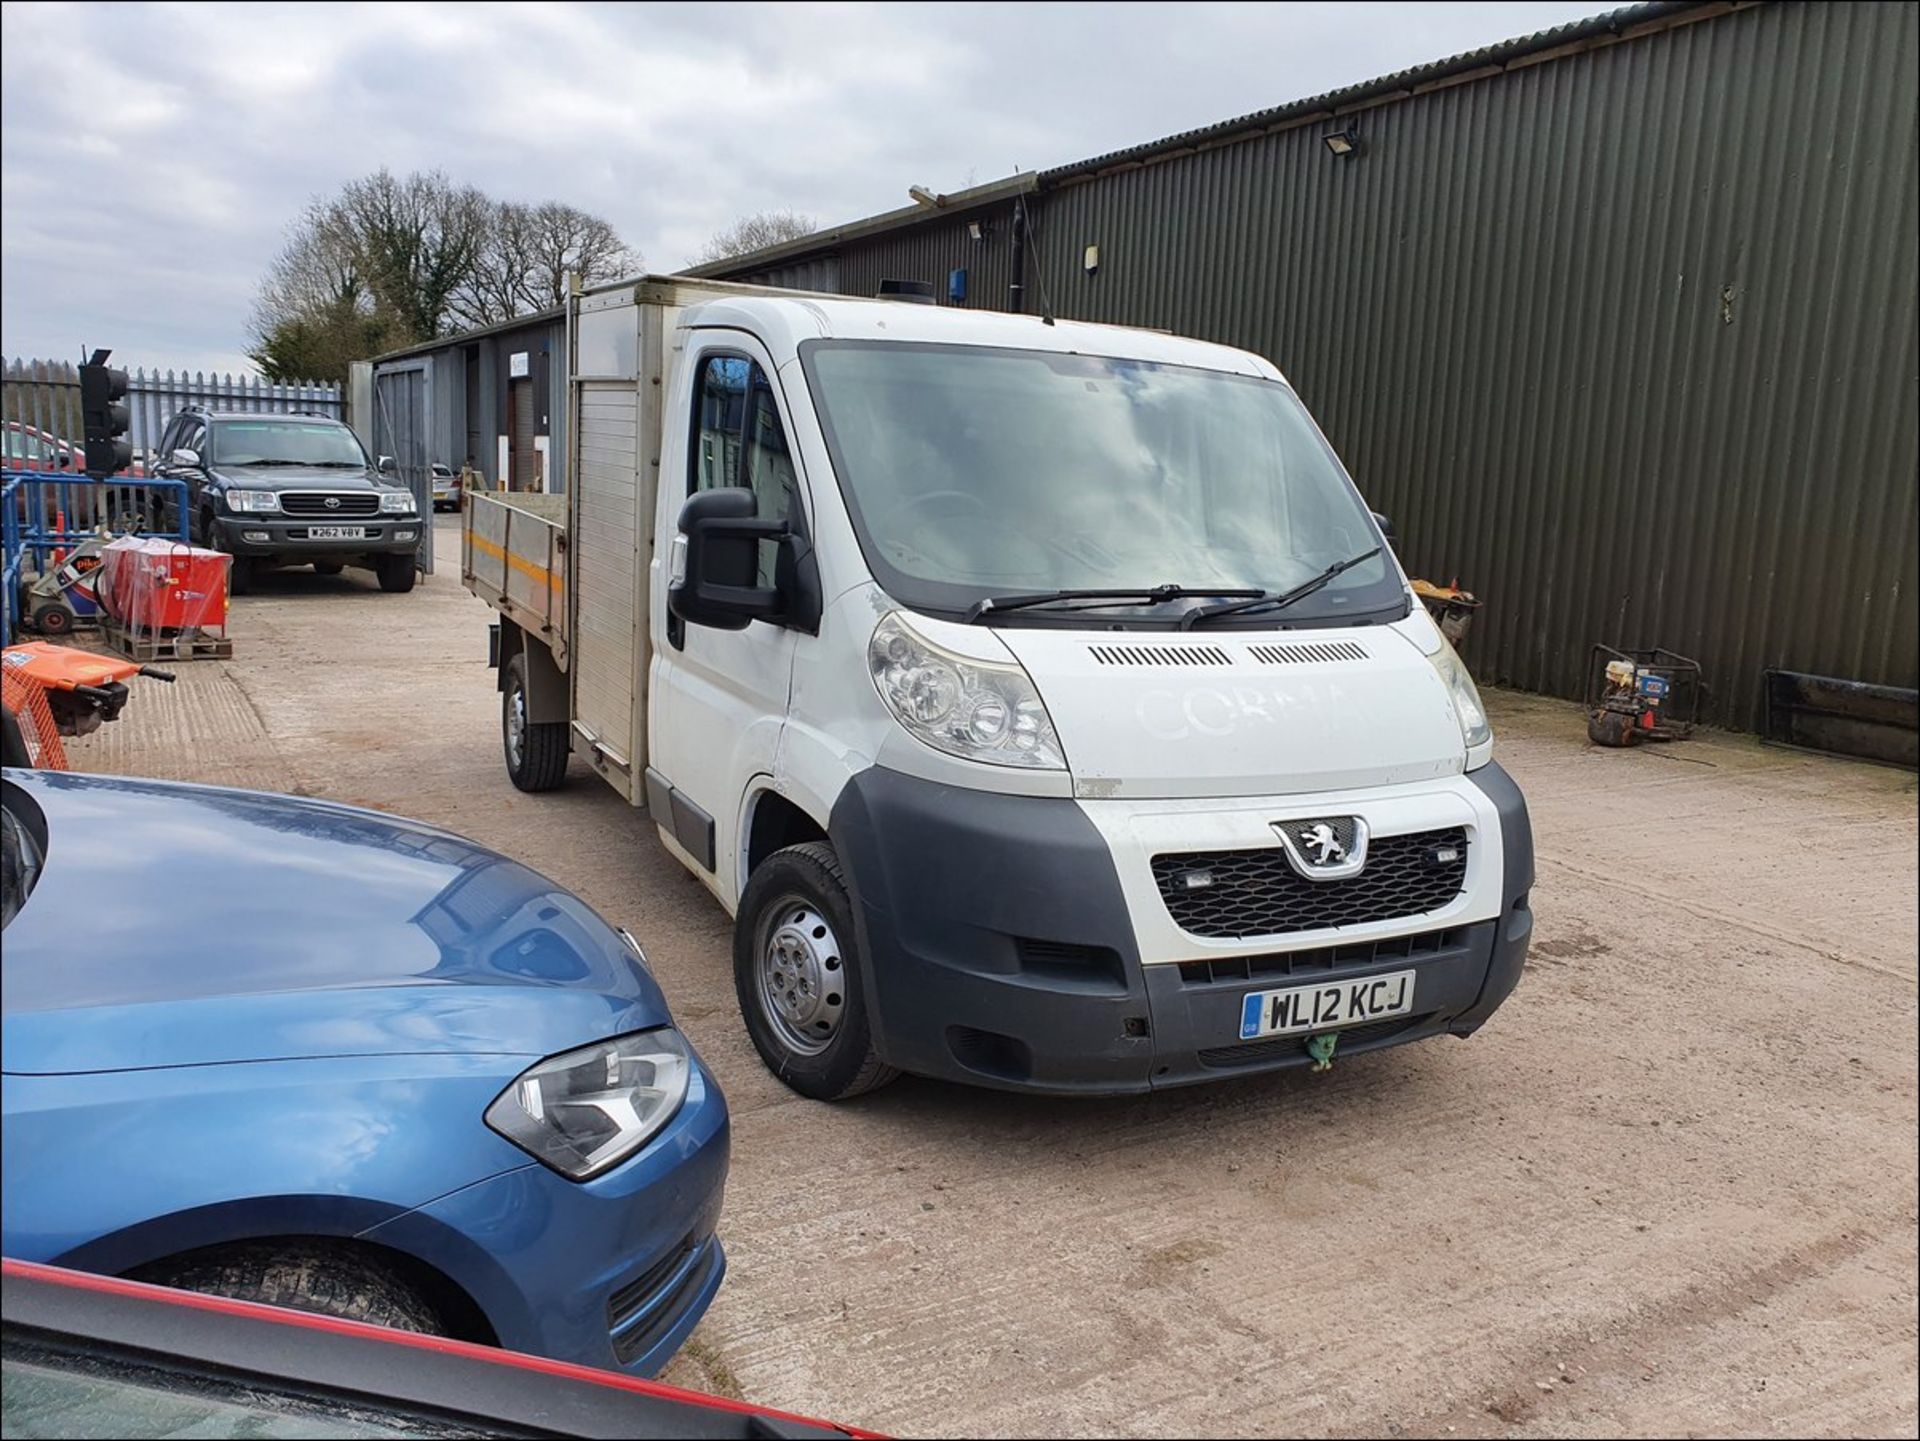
x=525, y=567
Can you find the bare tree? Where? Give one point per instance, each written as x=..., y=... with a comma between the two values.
x=529, y=251
x=565, y=239
x=389, y=261
x=756, y=232
x=417, y=240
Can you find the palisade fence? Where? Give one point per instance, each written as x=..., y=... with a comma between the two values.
x=41, y=405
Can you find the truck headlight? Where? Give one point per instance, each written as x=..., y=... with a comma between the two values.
x=396, y=502
x=245, y=502
x=1467, y=709
x=583, y=1111
x=980, y=710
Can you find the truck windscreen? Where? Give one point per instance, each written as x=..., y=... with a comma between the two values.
x=973, y=472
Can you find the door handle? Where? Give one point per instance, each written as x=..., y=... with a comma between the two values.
x=676, y=572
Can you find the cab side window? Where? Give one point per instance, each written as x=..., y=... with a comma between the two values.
x=738, y=440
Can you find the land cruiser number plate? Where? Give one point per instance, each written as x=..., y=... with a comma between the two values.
x=336, y=532
x=1298, y=1010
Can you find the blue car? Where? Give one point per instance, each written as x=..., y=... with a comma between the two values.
x=315, y=1056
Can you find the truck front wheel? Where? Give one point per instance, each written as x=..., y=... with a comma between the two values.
x=797, y=975
x=536, y=750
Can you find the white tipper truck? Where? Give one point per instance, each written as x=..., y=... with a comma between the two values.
x=1042, y=700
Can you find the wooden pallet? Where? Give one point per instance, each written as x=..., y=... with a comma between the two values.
x=149, y=648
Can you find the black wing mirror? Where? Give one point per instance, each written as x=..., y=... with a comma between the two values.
x=715, y=571
x=1386, y=528
x=386, y=466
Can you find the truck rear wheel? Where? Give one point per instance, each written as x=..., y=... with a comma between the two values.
x=536, y=750
x=797, y=974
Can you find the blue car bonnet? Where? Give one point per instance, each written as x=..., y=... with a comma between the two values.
x=194, y=925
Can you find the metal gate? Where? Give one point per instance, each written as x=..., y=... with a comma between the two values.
x=402, y=420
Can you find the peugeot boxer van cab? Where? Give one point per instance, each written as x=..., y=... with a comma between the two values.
x=1042, y=700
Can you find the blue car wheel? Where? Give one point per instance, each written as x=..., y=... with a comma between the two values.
x=302, y=1276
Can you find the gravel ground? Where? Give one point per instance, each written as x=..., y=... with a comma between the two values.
x=1670, y=1189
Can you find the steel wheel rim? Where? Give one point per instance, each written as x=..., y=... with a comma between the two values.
x=516, y=724
x=802, y=976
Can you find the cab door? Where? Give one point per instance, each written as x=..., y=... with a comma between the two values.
x=718, y=698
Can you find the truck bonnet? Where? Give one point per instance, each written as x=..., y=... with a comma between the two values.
x=1242, y=712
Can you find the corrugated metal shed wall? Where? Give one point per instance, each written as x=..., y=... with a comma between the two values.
x=1626, y=339
x=923, y=252
x=815, y=272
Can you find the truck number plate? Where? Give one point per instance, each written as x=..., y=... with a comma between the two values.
x=336, y=532
x=1326, y=1007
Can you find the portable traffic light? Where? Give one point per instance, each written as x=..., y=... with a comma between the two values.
x=104, y=416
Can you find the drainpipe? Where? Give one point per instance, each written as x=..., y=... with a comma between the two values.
x=1017, y=291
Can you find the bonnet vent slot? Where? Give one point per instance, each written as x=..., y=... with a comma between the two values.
x=1319, y=652
x=1160, y=655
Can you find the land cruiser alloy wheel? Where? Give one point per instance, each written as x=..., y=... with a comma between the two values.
x=536, y=751
x=797, y=976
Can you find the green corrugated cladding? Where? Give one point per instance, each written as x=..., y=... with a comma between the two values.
x=1628, y=341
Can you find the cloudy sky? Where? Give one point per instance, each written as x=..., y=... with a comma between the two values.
x=151, y=156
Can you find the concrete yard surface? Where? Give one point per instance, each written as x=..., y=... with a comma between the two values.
x=1669, y=1189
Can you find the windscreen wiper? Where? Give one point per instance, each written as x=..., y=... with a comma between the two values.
x=1138, y=595
x=1275, y=602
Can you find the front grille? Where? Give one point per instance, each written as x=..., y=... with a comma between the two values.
x=1256, y=1053
x=354, y=504
x=1320, y=963
x=649, y=1305
x=1258, y=893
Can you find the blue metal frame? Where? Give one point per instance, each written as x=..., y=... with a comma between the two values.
x=30, y=526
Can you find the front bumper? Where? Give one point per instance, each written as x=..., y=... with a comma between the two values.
x=284, y=537
x=998, y=948
x=614, y=1272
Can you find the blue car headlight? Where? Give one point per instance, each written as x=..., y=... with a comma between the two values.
x=584, y=1111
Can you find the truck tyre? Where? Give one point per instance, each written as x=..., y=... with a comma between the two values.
x=396, y=572
x=797, y=976
x=304, y=1276
x=536, y=750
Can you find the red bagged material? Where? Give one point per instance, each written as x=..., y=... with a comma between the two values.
x=154, y=587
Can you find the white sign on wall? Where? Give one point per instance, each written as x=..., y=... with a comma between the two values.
x=519, y=365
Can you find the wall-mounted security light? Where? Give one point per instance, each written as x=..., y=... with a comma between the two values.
x=976, y=230
x=1090, y=259
x=1345, y=144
